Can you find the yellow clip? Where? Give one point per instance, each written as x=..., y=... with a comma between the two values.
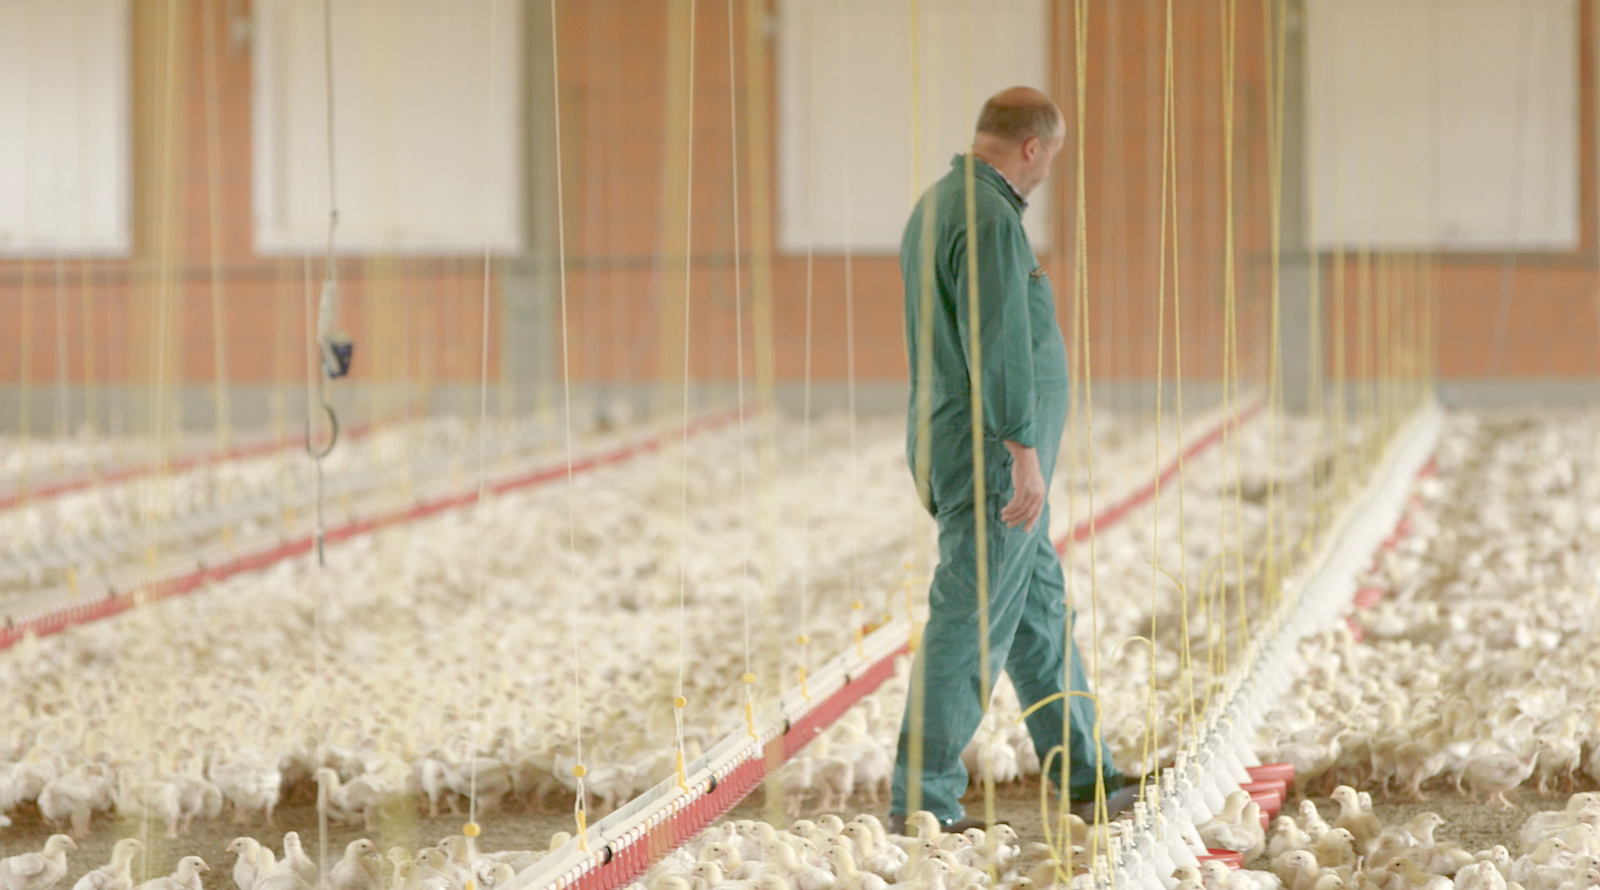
x=227, y=536
x=859, y=649
x=583, y=829
x=471, y=829
x=682, y=779
x=750, y=718
x=72, y=582
x=803, y=690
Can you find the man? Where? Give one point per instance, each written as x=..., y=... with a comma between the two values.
x=1024, y=389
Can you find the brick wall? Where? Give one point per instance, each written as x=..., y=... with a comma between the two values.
x=416, y=319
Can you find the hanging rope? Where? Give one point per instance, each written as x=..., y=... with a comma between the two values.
x=580, y=805
x=679, y=702
x=748, y=678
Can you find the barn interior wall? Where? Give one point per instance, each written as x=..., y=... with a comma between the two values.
x=416, y=319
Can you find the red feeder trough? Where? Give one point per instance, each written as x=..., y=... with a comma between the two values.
x=1270, y=802
x=1272, y=772
x=1226, y=857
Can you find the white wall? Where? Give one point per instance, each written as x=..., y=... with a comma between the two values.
x=427, y=107
x=1444, y=123
x=845, y=138
x=64, y=138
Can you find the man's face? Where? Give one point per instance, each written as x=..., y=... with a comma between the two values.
x=1039, y=154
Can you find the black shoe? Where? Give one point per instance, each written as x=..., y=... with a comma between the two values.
x=1118, y=801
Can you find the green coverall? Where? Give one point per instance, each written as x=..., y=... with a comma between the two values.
x=1025, y=392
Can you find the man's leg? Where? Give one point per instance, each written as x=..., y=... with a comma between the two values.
x=1037, y=664
x=948, y=658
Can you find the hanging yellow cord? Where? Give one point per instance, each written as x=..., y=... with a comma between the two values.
x=980, y=494
x=748, y=678
x=679, y=702
x=580, y=803
x=924, y=407
x=1080, y=341
x=219, y=339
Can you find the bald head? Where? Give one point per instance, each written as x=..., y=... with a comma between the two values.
x=1019, y=114
x=1019, y=133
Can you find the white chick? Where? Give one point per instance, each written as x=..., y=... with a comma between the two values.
x=1287, y=836
x=1479, y=876
x=247, y=867
x=37, y=871
x=848, y=876
x=73, y=798
x=116, y=874
x=358, y=869
x=1364, y=827
x=358, y=799
x=1311, y=820
x=251, y=787
x=295, y=860
x=185, y=877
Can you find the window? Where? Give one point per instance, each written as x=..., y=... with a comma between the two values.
x=64, y=144
x=426, y=134
x=845, y=137
x=1444, y=124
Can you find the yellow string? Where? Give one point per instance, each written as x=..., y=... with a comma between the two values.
x=580, y=802
x=680, y=702
x=924, y=441
x=980, y=495
x=219, y=339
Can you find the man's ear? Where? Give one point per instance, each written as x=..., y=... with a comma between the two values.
x=1031, y=147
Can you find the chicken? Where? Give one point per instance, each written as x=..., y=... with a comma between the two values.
x=247, y=868
x=185, y=877
x=1492, y=770
x=1414, y=878
x=1286, y=837
x=116, y=874
x=250, y=786
x=1479, y=876
x=295, y=860
x=1236, y=828
x=37, y=871
x=74, y=797
x=1363, y=826
x=848, y=876
x=358, y=799
x=153, y=801
x=359, y=869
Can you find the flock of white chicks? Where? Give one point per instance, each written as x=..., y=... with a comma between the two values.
x=1556, y=850
x=856, y=755
x=404, y=669
x=831, y=854
x=1476, y=664
x=93, y=530
x=454, y=864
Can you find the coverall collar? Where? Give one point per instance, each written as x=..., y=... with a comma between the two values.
x=986, y=171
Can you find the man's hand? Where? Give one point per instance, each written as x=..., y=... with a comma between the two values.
x=1027, y=488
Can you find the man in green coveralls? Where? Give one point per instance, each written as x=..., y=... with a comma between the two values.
x=1024, y=388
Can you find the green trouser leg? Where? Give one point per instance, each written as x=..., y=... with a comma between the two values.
x=1027, y=633
x=1035, y=666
